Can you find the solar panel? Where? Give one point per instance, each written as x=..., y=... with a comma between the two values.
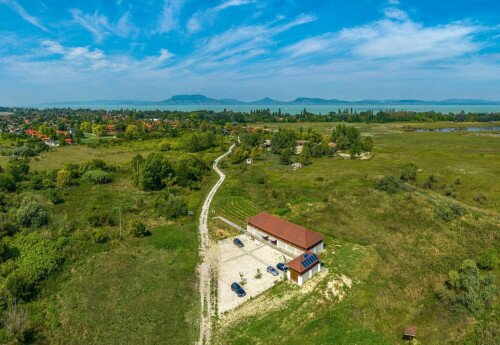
x=309, y=260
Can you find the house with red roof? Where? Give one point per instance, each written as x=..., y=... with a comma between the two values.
x=291, y=238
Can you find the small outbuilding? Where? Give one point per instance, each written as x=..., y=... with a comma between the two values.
x=303, y=267
x=250, y=160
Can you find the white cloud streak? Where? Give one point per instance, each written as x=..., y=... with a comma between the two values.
x=14, y=5
x=100, y=26
x=169, y=18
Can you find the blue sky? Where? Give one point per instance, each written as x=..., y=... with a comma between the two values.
x=53, y=50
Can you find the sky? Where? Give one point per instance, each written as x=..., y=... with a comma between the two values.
x=53, y=50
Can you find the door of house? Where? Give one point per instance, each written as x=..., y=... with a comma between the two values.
x=294, y=276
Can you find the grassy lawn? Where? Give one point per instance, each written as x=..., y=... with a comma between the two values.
x=408, y=249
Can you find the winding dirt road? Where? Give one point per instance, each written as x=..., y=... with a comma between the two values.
x=205, y=268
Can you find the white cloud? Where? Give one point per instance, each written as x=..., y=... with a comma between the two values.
x=169, y=18
x=100, y=27
x=394, y=36
x=200, y=18
x=394, y=2
x=14, y=5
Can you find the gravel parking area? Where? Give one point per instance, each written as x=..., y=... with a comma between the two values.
x=233, y=260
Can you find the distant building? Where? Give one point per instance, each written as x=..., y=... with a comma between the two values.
x=297, y=166
x=250, y=160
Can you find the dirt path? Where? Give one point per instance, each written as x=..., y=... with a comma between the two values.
x=205, y=268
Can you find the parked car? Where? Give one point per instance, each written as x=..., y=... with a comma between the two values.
x=238, y=242
x=272, y=270
x=238, y=289
x=282, y=267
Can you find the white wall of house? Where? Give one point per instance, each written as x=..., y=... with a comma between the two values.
x=283, y=245
x=319, y=247
x=309, y=274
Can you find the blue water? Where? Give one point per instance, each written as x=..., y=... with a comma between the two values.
x=296, y=109
x=459, y=129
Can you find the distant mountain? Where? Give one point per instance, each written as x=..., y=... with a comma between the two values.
x=201, y=100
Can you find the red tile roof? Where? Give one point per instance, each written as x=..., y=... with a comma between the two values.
x=296, y=266
x=286, y=231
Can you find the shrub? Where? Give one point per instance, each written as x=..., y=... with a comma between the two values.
x=63, y=178
x=138, y=229
x=55, y=197
x=430, y=181
x=32, y=213
x=171, y=206
x=97, y=176
x=409, y=173
x=7, y=182
x=99, y=236
x=444, y=212
x=468, y=288
x=94, y=164
x=101, y=218
x=155, y=172
x=38, y=257
x=286, y=157
x=16, y=323
x=480, y=198
x=389, y=184
x=164, y=145
x=8, y=228
x=489, y=261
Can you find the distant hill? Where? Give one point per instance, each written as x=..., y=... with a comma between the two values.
x=198, y=99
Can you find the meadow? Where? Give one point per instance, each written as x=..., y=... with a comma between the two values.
x=122, y=289
x=393, y=247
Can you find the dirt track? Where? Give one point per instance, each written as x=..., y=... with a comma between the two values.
x=205, y=268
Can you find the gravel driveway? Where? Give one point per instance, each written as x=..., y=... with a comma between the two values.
x=233, y=260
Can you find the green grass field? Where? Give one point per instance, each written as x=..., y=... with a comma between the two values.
x=409, y=250
x=127, y=290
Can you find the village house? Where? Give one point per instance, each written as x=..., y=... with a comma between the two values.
x=303, y=267
x=290, y=238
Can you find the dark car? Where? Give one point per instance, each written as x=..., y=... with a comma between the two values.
x=238, y=242
x=238, y=289
x=272, y=270
x=282, y=267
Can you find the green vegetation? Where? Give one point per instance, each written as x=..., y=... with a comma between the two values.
x=406, y=239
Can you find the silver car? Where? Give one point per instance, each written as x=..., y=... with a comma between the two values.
x=272, y=270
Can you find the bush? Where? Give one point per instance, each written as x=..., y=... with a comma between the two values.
x=389, y=184
x=38, y=257
x=63, y=178
x=489, y=261
x=55, y=197
x=138, y=229
x=155, y=172
x=449, y=212
x=16, y=323
x=171, y=206
x=467, y=288
x=99, y=236
x=409, y=173
x=32, y=213
x=8, y=228
x=164, y=145
x=101, y=218
x=97, y=176
x=7, y=183
x=94, y=164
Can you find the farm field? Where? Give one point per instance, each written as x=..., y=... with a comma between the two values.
x=393, y=248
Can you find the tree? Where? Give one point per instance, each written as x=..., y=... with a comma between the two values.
x=286, y=157
x=99, y=130
x=86, y=127
x=345, y=136
x=305, y=156
x=132, y=131
x=63, y=178
x=283, y=139
x=155, y=172
x=489, y=260
x=32, y=213
x=97, y=176
x=190, y=169
x=409, y=173
x=367, y=144
x=171, y=206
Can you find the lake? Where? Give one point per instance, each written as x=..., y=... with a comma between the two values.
x=294, y=109
x=458, y=129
